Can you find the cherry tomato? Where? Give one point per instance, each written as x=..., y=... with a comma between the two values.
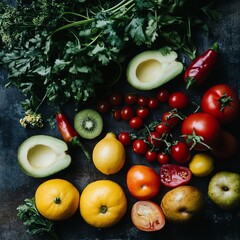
x=170, y=118
x=142, y=101
x=143, y=112
x=154, y=139
x=103, y=106
x=139, y=146
x=180, y=152
x=130, y=98
x=173, y=175
x=222, y=102
x=143, y=182
x=124, y=138
x=117, y=114
x=162, y=95
x=115, y=99
x=147, y=216
x=163, y=158
x=127, y=112
x=153, y=103
x=201, y=131
x=136, y=122
x=151, y=156
x=178, y=100
x=162, y=128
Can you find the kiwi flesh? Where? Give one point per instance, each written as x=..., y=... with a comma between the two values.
x=88, y=123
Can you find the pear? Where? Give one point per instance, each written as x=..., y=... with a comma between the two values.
x=182, y=204
x=224, y=190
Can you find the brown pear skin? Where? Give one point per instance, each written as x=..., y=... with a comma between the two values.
x=182, y=204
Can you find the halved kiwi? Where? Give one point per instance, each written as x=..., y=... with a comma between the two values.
x=88, y=123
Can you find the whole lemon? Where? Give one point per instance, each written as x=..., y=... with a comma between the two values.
x=201, y=164
x=109, y=154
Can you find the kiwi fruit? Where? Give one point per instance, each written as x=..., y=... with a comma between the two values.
x=88, y=123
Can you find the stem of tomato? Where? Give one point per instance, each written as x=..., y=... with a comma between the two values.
x=103, y=209
x=57, y=200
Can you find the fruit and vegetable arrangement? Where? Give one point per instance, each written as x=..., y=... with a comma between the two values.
x=147, y=128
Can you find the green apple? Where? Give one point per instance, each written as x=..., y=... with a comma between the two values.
x=182, y=204
x=224, y=189
x=43, y=155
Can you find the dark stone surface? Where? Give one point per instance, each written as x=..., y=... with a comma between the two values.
x=15, y=186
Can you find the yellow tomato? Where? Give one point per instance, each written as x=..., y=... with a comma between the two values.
x=57, y=199
x=201, y=164
x=103, y=203
x=109, y=154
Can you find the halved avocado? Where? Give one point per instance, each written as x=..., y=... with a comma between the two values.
x=42, y=155
x=151, y=69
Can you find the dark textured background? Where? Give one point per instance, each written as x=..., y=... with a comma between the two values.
x=15, y=186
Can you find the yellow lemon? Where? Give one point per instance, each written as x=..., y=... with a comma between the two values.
x=109, y=154
x=201, y=164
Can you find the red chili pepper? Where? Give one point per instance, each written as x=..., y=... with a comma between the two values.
x=68, y=132
x=201, y=67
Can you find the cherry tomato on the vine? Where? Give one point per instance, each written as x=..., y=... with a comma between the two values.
x=154, y=139
x=162, y=128
x=151, y=156
x=178, y=100
x=142, y=101
x=139, y=146
x=136, y=122
x=103, y=106
x=143, y=112
x=130, y=98
x=115, y=99
x=162, y=95
x=180, y=152
x=127, y=112
x=153, y=103
x=124, y=138
x=163, y=158
x=117, y=114
x=170, y=118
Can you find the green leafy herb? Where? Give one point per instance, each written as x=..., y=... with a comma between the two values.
x=37, y=224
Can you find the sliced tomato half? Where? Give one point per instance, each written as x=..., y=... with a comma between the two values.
x=147, y=216
x=172, y=175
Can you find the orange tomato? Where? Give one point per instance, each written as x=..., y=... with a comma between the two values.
x=143, y=182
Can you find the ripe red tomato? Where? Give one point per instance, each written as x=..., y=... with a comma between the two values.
x=136, y=122
x=151, y=156
x=130, y=98
x=162, y=128
x=163, y=158
x=117, y=114
x=201, y=131
x=103, y=106
x=173, y=175
x=222, y=102
x=147, y=216
x=180, y=152
x=162, y=95
x=170, y=118
x=178, y=100
x=115, y=99
x=127, y=113
x=154, y=139
x=143, y=182
x=153, y=103
x=142, y=101
x=139, y=146
x=125, y=138
x=143, y=112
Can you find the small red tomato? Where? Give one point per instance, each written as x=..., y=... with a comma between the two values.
x=162, y=95
x=180, y=152
x=139, y=146
x=154, y=139
x=124, y=138
x=130, y=98
x=178, y=100
x=170, y=118
x=136, y=122
x=127, y=113
x=147, y=216
x=143, y=112
x=117, y=114
x=115, y=99
x=142, y=101
x=173, y=175
x=162, y=128
x=103, y=106
x=162, y=158
x=153, y=103
x=151, y=156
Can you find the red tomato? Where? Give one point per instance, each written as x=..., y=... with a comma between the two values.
x=153, y=103
x=136, y=122
x=139, y=147
x=147, y=216
x=143, y=182
x=125, y=138
x=163, y=158
x=142, y=101
x=162, y=95
x=103, y=106
x=162, y=128
x=151, y=156
x=201, y=131
x=170, y=118
x=143, y=112
x=115, y=99
x=227, y=148
x=222, y=102
x=127, y=113
x=178, y=100
x=172, y=175
x=130, y=98
x=180, y=152
x=117, y=114
x=154, y=139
